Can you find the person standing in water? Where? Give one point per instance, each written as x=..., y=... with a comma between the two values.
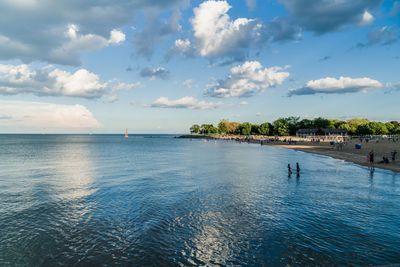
x=289, y=170
x=298, y=169
x=371, y=156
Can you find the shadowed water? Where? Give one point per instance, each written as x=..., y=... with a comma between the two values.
x=106, y=200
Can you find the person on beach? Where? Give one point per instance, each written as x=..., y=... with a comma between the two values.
x=289, y=170
x=371, y=156
x=394, y=152
x=298, y=169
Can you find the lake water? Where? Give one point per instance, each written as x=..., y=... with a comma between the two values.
x=105, y=200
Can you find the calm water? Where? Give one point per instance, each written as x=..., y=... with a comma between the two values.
x=105, y=200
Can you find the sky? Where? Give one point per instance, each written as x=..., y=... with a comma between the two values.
x=157, y=66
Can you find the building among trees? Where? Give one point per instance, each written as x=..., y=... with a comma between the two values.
x=321, y=131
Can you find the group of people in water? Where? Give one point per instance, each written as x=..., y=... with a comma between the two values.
x=297, y=170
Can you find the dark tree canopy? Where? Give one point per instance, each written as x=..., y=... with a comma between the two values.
x=290, y=125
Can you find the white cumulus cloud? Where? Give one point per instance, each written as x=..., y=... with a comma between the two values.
x=337, y=86
x=182, y=47
x=246, y=80
x=186, y=102
x=68, y=52
x=46, y=115
x=218, y=36
x=188, y=83
x=50, y=81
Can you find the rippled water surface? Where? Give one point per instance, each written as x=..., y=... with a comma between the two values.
x=106, y=200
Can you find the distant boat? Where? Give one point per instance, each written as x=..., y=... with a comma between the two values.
x=126, y=133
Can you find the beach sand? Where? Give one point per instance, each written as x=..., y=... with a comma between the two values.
x=348, y=152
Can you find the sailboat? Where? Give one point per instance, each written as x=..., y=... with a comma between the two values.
x=126, y=133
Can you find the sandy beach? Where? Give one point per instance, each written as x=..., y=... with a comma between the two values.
x=347, y=151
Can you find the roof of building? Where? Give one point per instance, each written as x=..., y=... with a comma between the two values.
x=324, y=130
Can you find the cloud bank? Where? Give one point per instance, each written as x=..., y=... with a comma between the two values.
x=56, y=31
x=322, y=16
x=337, y=86
x=185, y=103
x=46, y=115
x=50, y=81
x=246, y=80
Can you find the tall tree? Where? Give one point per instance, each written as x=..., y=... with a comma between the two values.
x=305, y=124
x=255, y=129
x=293, y=124
x=351, y=125
x=378, y=128
x=321, y=123
x=245, y=128
x=233, y=127
x=390, y=127
x=223, y=126
x=265, y=128
x=281, y=127
x=195, y=129
x=208, y=129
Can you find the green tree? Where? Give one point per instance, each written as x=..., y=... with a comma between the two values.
x=378, y=128
x=321, y=123
x=195, y=129
x=351, y=125
x=255, y=129
x=336, y=124
x=293, y=124
x=397, y=129
x=390, y=127
x=364, y=129
x=339, y=124
x=233, y=128
x=265, y=128
x=281, y=127
x=213, y=129
x=245, y=128
x=305, y=124
x=222, y=126
x=208, y=129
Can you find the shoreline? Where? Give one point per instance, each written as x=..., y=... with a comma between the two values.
x=348, y=157
x=323, y=146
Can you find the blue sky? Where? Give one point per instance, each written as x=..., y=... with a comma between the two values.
x=156, y=66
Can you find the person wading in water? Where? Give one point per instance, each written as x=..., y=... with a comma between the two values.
x=371, y=157
x=298, y=169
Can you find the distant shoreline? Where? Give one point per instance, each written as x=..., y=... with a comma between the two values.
x=347, y=152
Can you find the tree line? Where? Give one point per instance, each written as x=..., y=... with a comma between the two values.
x=290, y=125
